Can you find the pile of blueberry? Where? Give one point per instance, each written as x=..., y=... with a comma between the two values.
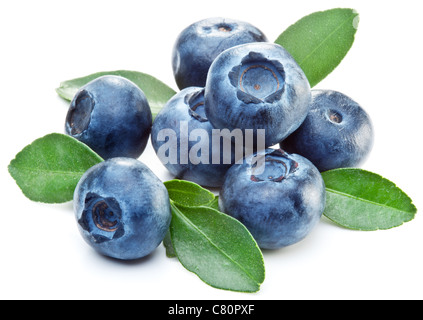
x=240, y=96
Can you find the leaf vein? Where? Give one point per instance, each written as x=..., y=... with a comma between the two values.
x=47, y=171
x=364, y=200
x=325, y=40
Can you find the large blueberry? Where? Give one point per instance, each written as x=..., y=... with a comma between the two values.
x=112, y=116
x=184, y=141
x=122, y=208
x=257, y=86
x=278, y=196
x=337, y=132
x=199, y=44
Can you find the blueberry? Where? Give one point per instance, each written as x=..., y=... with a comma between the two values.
x=199, y=44
x=112, y=116
x=122, y=208
x=257, y=86
x=183, y=140
x=278, y=196
x=337, y=132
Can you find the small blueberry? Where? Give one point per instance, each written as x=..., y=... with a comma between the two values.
x=199, y=44
x=112, y=116
x=279, y=197
x=183, y=139
x=337, y=132
x=122, y=209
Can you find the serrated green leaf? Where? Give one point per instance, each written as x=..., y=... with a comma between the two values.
x=362, y=200
x=216, y=247
x=188, y=194
x=49, y=169
x=156, y=91
x=319, y=41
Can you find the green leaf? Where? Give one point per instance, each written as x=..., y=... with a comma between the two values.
x=216, y=247
x=49, y=169
x=157, y=92
x=319, y=41
x=214, y=204
x=188, y=194
x=167, y=243
x=362, y=200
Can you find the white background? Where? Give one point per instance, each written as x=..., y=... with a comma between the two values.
x=42, y=255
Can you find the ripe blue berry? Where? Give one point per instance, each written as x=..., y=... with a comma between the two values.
x=337, y=132
x=279, y=197
x=112, y=116
x=257, y=86
x=184, y=142
x=200, y=43
x=122, y=208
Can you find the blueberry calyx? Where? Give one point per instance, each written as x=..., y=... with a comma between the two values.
x=79, y=116
x=195, y=101
x=334, y=116
x=224, y=27
x=101, y=217
x=217, y=28
x=258, y=79
x=277, y=167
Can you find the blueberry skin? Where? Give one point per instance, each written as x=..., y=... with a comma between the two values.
x=200, y=43
x=279, y=206
x=122, y=209
x=337, y=132
x=187, y=107
x=257, y=86
x=112, y=116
